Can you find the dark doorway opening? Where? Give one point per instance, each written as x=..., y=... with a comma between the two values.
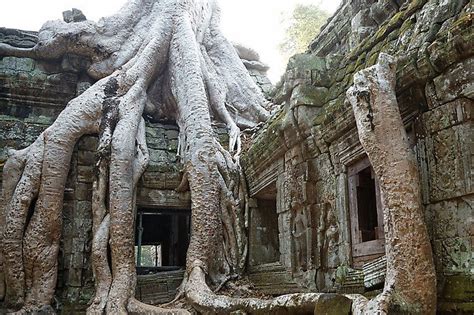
x=367, y=205
x=161, y=239
x=264, y=239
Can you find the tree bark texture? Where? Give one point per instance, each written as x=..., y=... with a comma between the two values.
x=410, y=283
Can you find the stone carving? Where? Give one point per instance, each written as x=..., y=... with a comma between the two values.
x=300, y=232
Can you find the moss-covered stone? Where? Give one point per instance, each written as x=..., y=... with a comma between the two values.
x=407, y=25
x=307, y=61
x=269, y=143
x=458, y=288
x=372, y=59
x=308, y=95
x=389, y=26
x=329, y=111
x=413, y=6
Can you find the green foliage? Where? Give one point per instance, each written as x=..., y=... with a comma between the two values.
x=150, y=255
x=303, y=26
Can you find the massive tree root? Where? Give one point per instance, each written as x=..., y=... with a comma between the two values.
x=410, y=284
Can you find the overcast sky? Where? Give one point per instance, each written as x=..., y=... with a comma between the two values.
x=253, y=23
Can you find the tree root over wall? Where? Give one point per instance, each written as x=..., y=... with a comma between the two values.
x=410, y=283
x=164, y=58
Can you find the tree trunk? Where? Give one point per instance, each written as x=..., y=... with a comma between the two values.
x=410, y=283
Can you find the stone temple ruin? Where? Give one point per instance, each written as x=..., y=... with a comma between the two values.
x=315, y=213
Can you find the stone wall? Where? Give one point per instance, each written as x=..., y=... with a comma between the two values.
x=309, y=144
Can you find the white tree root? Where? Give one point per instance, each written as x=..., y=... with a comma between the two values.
x=100, y=265
x=207, y=302
x=27, y=183
x=410, y=284
x=233, y=211
x=27, y=242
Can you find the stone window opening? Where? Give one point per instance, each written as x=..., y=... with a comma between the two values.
x=366, y=218
x=161, y=240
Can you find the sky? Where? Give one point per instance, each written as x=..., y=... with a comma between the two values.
x=252, y=23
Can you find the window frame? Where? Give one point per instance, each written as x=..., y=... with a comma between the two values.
x=372, y=247
x=173, y=215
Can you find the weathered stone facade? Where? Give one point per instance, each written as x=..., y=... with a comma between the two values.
x=297, y=166
x=309, y=148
